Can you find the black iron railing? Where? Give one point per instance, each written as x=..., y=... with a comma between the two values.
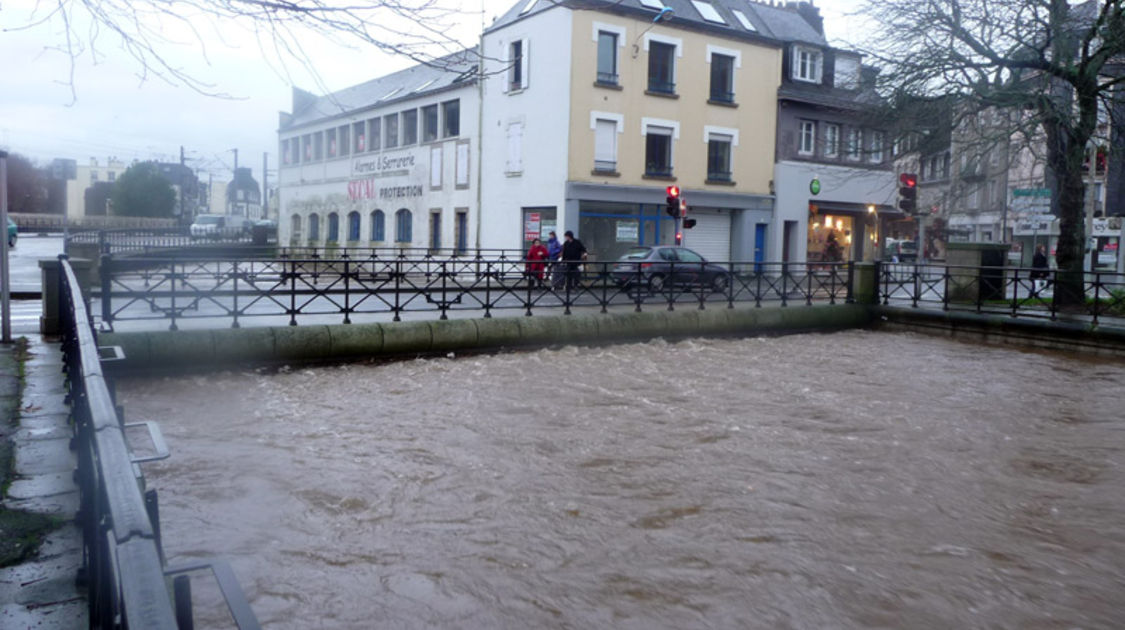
x=1014, y=291
x=293, y=291
x=122, y=561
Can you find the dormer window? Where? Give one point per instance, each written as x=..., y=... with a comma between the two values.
x=807, y=64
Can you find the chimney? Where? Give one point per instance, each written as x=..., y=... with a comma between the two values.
x=811, y=15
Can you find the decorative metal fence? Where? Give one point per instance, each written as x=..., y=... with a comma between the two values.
x=1014, y=291
x=296, y=290
x=123, y=560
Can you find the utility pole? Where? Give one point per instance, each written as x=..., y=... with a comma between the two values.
x=265, y=188
x=5, y=286
x=181, y=186
x=235, y=158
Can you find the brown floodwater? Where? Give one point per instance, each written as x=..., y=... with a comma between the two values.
x=851, y=480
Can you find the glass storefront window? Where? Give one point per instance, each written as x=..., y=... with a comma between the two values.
x=830, y=238
x=609, y=229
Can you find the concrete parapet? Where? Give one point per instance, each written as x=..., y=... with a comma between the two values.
x=318, y=343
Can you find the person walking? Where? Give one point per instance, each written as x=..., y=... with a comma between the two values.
x=536, y=256
x=554, y=250
x=1040, y=269
x=573, y=253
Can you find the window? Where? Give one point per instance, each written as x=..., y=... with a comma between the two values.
x=607, y=58
x=605, y=145
x=404, y=228
x=855, y=141
x=390, y=131
x=451, y=115
x=877, y=147
x=295, y=227
x=661, y=68
x=286, y=152
x=359, y=137
x=306, y=148
x=658, y=151
x=742, y=20
x=435, y=229
x=807, y=144
x=722, y=78
x=112, y=175
x=330, y=136
x=344, y=144
x=409, y=127
x=353, y=226
x=375, y=134
x=333, y=227
x=708, y=12
x=806, y=64
x=93, y=176
x=318, y=146
x=516, y=69
x=429, y=123
x=831, y=140
x=718, y=157
x=847, y=72
x=461, y=231
x=378, y=226
x=314, y=227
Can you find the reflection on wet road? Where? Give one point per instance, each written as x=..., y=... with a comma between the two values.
x=852, y=480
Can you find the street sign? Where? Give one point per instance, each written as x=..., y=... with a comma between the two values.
x=1031, y=200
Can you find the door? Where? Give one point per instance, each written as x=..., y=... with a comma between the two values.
x=759, y=246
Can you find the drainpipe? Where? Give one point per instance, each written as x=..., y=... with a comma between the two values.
x=480, y=126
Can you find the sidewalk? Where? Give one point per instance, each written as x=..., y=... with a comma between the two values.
x=39, y=591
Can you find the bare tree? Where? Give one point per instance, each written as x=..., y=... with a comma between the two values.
x=27, y=185
x=1046, y=64
x=149, y=30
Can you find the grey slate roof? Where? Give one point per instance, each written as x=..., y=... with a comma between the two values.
x=453, y=70
x=770, y=22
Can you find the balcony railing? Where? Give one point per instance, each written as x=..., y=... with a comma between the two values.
x=719, y=96
x=659, y=86
x=607, y=78
x=658, y=170
x=718, y=176
x=605, y=166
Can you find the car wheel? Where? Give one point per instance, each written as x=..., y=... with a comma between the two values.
x=719, y=283
x=656, y=283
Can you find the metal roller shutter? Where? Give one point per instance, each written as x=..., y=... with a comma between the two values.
x=711, y=234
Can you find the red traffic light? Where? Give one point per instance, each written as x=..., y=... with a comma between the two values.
x=909, y=180
x=673, y=191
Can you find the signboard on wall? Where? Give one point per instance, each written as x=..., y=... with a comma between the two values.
x=627, y=232
x=531, y=226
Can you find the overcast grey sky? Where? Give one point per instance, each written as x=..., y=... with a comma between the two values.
x=119, y=114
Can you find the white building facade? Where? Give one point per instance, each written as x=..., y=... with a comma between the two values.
x=388, y=163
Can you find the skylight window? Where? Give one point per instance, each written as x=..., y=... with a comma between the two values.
x=708, y=12
x=742, y=19
x=391, y=93
x=425, y=85
x=527, y=7
x=653, y=4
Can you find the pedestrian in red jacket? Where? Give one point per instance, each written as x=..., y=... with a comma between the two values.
x=535, y=265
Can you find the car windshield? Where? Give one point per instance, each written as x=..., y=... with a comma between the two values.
x=209, y=220
x=636, y=253
x=686, y=255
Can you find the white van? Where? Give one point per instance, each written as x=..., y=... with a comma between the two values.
x=208, y=226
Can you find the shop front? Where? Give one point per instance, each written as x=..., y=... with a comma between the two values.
x=609, y=229
x=843, y=233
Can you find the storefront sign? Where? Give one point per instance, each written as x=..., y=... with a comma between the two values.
x=383, y=165
x=1037, y=200
x=814, y=186
x=1033, y=225
x=1107, y=227
x=627, y=232
x=368, y=189
x=531, y=226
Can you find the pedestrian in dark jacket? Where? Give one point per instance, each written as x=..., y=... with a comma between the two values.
x=573, y=253
x=1040, y=270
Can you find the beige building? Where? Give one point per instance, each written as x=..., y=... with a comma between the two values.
x=589, y=114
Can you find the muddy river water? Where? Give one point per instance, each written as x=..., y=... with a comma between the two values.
x=852, y=480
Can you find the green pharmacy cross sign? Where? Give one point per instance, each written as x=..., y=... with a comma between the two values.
x=814, y=186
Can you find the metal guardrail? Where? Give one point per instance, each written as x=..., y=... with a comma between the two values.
x=122, y=557
x=1013, y=291
x=296, y=289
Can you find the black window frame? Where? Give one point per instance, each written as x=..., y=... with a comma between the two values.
x=722, y=72
x=658, y=159
x=661, y=68
x=607, y=51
